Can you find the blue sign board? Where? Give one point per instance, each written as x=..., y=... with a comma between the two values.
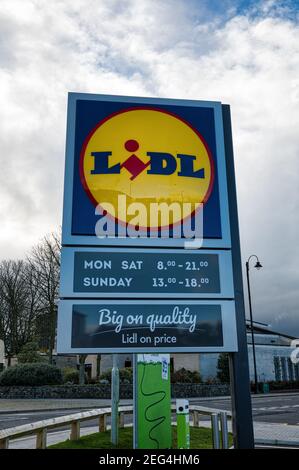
x=146, y=326
x=146, y=151
x=145, y=272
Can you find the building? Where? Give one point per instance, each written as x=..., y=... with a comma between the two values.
x=177, y=361
x=272, y=351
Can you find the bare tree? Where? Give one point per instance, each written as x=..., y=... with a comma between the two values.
x=33, y=306
x=44, y=261
x=16, y=307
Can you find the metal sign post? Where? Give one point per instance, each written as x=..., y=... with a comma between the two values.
x=114, y=399
x=135, y=392
x=239, y=368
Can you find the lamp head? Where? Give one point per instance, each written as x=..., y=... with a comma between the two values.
x=258, y=265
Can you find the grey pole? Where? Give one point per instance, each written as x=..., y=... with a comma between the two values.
x=239, y=368
x=114, y=399
x=251, y=327
x=215, y=430
x=135, y=411
x=224, y=430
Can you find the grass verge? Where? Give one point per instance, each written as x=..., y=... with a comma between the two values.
x=200, y=438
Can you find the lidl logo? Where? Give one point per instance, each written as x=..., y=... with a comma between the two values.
x=150, y=156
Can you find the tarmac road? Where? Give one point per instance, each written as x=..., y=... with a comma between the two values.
x=282, y=408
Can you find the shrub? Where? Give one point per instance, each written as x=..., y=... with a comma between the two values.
x=125, y=376
x=70, y=375
x=31, y=374
x=183, y=376
x=29, y=353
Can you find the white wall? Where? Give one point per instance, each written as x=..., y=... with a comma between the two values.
x=264, y=359
x=187, y=361
x=208, y=365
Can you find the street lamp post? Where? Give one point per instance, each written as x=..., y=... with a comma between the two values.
x=257, y=266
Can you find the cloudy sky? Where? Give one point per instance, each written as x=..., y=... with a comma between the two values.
x=245, y=53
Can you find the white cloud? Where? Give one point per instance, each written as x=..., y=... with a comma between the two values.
x=143, y=47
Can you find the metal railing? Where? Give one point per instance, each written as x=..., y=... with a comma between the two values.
x=40, y=428
x=218, y=417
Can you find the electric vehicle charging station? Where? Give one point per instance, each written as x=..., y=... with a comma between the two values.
x=183, y=427
x=152, y=428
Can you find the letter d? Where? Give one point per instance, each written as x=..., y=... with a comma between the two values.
x=161, y=163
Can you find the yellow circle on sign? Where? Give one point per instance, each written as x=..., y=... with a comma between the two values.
x=126, y=142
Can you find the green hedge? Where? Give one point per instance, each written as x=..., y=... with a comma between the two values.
x=70, y=375
x=125, y=375
x=179, y=376
x=31, y=374
x=185, y=376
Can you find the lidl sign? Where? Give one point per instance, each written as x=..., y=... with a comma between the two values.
x=129, y=157
x=147, y=154
x=145, y=179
